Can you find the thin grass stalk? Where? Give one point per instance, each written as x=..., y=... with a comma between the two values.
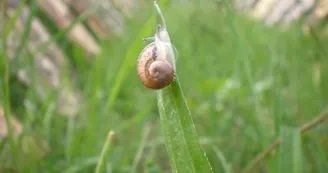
x=27, y=28
x=141, y=148
x=6, y=85
x=17, y=12
x=104, y=152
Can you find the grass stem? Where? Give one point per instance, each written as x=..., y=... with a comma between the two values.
x=104, y=151
x=6, y=87
x=141, y=148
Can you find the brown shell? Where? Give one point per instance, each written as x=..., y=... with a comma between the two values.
x=154, y=73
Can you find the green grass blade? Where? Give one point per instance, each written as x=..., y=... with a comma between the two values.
x=17, y=12
x=226, y=167
x=48, y=117
x=290, y=154
x=6, y=83
x=104, y=152
x=181, y=140
x=141, y=148
x=27, y=29
x=82, y=164
x=297, y=152
x=317, y=149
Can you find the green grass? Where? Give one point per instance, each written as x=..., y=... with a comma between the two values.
x=245, y=85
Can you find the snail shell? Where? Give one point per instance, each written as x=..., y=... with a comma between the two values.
x=154, y=66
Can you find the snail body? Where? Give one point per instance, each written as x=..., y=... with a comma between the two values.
x=156, y=63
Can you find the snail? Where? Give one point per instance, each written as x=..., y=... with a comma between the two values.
x=156, y=62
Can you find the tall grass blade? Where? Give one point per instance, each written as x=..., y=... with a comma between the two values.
x=17, y=12
x=290, y=154
x=226, y=167
x=6, y=83
x=27, y=28
x=181, y=140
x=141, y=148
x=104, y=152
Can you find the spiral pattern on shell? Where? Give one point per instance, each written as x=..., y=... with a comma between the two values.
x=153, y=71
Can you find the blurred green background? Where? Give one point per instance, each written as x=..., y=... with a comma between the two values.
x=243, y=82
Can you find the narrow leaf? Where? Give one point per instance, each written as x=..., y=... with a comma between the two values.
x=319, y=155
x=226, y=167
x=290, y=154
x=181, y=140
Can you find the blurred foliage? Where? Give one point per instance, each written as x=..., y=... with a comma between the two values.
x=242, y=82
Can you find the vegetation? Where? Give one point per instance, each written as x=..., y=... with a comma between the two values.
x=245, y=84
